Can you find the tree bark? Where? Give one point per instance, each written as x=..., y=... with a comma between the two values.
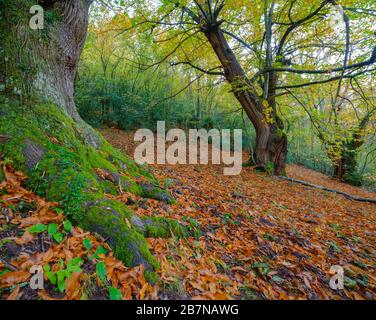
x=345, y=168
x=43, y=135
x=271, y=143
x=62, y=53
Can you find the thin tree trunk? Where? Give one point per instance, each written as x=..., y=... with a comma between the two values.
x=271, y=142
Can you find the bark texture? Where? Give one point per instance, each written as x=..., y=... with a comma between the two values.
x=62, y=54
x=271, y=142
x=41, y=132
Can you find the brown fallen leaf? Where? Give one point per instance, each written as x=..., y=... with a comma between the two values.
x=14, y=294
x=26, y=238
x=143, y=290
x=45, y=296
x=73, y=289
x=14, y=277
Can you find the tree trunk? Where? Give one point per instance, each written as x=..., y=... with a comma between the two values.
x=65, y=159
x=271, y=143
x=345, y=168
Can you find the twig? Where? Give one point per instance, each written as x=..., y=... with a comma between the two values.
x=8, y=265
x=348, y=196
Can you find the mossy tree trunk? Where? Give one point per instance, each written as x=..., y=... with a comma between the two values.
x=66, y=160
x=345, y=154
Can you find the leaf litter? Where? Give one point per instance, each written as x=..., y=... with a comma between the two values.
x=252, y=237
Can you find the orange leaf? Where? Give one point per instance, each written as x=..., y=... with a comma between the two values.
x=15, y=294
x=14, y=277
x=45, y=296
x=143, y=290
x=73, y=286
x=26, y=238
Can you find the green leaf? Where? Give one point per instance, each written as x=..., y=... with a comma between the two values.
x=51, y=276
x=52, y=228
x=38, y=228
x=73, y=269
x=74, y=265
x=58, y=237
x=77, y=261
x=3, y=273
x=46, y=268
x=87, y=244
x=100, y=250
x=61, y=275
x=115, y=294
x=349, y=283
x=59, y=210
x=101, y=271
x=67, y=225
x=61, y=286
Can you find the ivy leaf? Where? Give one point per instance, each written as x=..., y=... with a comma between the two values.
x=67, y=225
x=77, y=261
x=101, y=271
x=38, y=228
x=87, y=244
x=52, y=228
x=61, y=286
x=101, y=250
x=115, y=294
x=58, y=237
x=61, y=275
x=73, y=269
x=51, y=276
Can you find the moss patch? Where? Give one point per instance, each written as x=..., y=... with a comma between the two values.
x=151, y=277
x=153, y=191
x=1, y=175
x=62, y=168
x=107, y=218
x=163, y=228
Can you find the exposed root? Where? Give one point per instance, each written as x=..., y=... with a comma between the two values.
x=346, y=195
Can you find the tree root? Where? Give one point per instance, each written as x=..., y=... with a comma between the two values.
x=346, y=195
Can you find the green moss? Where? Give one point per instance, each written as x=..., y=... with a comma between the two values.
x=97, y=159
x=66, y=174
x=280, y=133
x=1, y=175
x=156, y=227
x=151, y=277
x=107, y=218
x=130, y=186
x=153, y=191
x=62, y=168
x=108, y=187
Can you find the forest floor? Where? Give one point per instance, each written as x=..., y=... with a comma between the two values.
x=256, y=237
